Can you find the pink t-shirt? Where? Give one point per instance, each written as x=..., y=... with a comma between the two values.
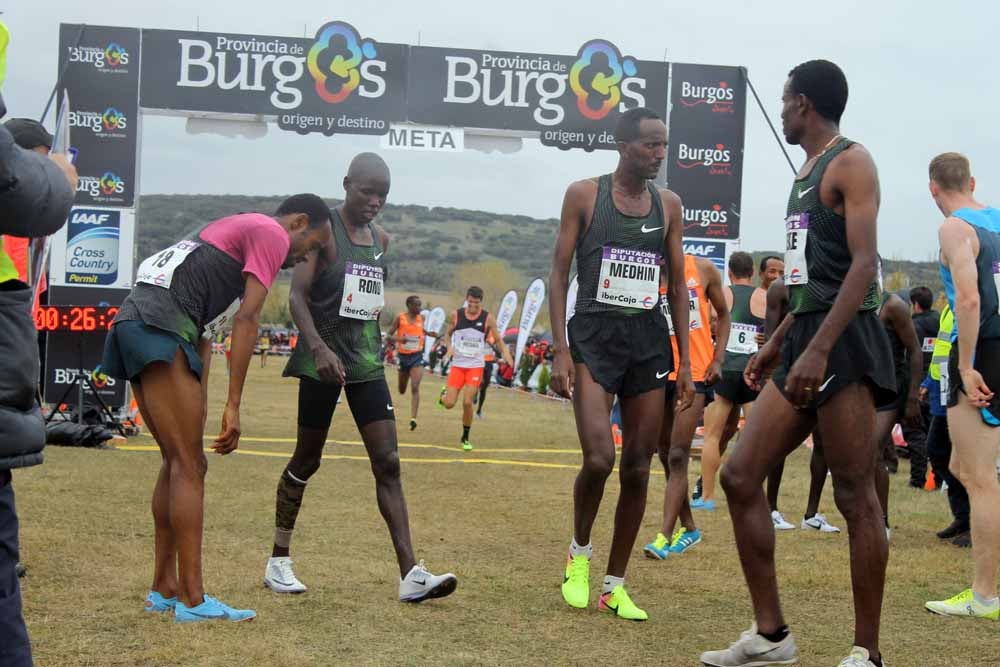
x=255, y=240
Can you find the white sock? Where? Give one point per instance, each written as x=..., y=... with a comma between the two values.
x=983, y=601
x=610, y=583
x=576, y=550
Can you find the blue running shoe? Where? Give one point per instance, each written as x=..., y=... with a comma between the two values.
x=683, y=540
x=702, y=504
x=158, y=603
x=658, y=548
x=211, y=610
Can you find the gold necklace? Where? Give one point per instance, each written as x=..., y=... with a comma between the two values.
x=829, y=144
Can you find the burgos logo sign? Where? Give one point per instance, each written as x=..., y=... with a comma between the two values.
x=109, y=187
x=717, y=159
x=596, y=76
x=112, y=57
x=337, y=59
x=719, y=97
x=111, y=122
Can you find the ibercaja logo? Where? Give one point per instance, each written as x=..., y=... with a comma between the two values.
x=112, y=57
x=597, y=77
x=337, y=61
x=720, y=98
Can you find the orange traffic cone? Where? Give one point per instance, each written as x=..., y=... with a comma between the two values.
x=616, y=435
x=930, y=484
x=134, y=414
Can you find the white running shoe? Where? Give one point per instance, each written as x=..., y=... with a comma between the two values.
x=752, y=650
x=279, y=577
x=859, y=657
x=779, y=521
x=420, y=585
x=819, y=522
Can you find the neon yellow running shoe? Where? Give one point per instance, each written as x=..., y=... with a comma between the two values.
x=576, y=586
x=619, y=603
x=965, y=604
x=466, y=445
x=658, y=548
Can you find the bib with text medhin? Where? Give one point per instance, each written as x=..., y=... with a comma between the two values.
x=796, y=235
x=364, y=295
x=629, y=278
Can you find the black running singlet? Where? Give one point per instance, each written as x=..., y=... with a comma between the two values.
x=743, y=330
x=817, y=257
x=619, y=258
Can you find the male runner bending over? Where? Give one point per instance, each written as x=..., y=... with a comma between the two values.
x=622, y=229
x=833, y=369
x=970, y=270
x=337, y=295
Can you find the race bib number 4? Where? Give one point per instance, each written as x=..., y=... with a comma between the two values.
x=796, y=235
x=364, y=294
x=742, y=338
x=629, y=278
x=159, y=269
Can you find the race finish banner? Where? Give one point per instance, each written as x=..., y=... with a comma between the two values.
x=533, y=300
x=336, y=82
x=505, y=313
x=102, y=80
x=572, y=101
x=705, y=156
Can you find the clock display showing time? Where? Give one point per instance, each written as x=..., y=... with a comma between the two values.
x=83, y=319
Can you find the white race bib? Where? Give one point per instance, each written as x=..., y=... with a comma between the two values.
x=928, y=345
x=629, y=278
x=996, y=281
x=469, y=347
x=694, y=312
x=410, y=344
x=945, y=383
x=796, y=235
x=742, y=338
x=159, y=269
x=364, y=295
x=216, y=326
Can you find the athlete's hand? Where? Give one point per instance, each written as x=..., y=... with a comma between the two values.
x=760, y=366
x=808, y=374
x=975, y=388
x=684, y=389
x=507, y=359
x=923, y=395
x=563, y=374
x=913, y=417
x=229, y=438
x=329, y=366
x=760, y=338
x=67, y=168
x=713, y=373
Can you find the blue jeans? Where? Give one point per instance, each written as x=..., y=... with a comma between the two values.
x=15, y=651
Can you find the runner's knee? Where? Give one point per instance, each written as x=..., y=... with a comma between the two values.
x=599, y=464
x=677, y=459
x=303, y=469
x=736, y=483
x=385, y=466
x=192, y=465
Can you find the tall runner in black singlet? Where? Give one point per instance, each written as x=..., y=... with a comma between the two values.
x=336, y=298
x=832, y=367
x=624, y=232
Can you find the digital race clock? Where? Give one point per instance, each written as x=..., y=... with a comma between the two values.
x=83, y=319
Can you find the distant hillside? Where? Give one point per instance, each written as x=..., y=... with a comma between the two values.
x=428, y=243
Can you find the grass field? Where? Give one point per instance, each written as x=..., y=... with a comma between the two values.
x=499, y=518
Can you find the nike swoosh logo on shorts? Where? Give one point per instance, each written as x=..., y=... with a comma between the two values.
x=802, y=193
x=822, y=387
x=379, y=254
x=646, y=231
x=660, y=376
x=388, y=407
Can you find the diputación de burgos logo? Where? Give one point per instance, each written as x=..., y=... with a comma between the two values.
x=596, y=76
x=335, y=60
x=112, y=57
x=108, y=187
x=717, y=160
x=111, y=122
x=720, y=98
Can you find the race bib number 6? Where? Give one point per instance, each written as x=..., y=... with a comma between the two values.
x=796, y=236
x=742, y=338
x=159, y=269
x=629, y=278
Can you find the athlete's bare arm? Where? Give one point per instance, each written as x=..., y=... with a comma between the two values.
x=777, y=307
x=712, y=280
x=390, y=335
x=673, y=253
x=850, y=183
x=328, y=365
x=491, y=326
x=897, y=314
x=959, y=250
x=452, y=323
x=576, y=211
x=777, y=319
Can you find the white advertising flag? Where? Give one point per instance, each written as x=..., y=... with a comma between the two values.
x=533, y=300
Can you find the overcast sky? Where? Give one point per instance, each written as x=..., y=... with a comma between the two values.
x=920, y=84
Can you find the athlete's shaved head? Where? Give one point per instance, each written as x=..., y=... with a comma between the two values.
x=366, y=187
x=952, y=172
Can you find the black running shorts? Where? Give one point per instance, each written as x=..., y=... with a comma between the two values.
x=860, y=354
x=987, y=362
x=732, y=388
x=410, y=361
x=370, y=402
x=627, y=356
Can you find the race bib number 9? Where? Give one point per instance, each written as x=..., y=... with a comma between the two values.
x=796, y=236
x=159, y=269
x=629, y=278
x=742, y=338
x=364, y=294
